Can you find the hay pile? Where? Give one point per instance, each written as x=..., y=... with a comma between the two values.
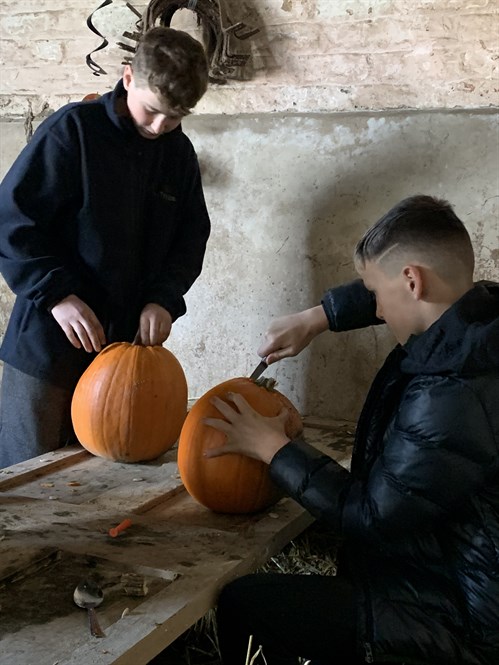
x=312, y=552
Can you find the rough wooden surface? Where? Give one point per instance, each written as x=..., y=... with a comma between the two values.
x=55, y=515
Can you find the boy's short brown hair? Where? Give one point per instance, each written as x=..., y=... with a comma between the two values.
x=424, y=226
x=174, y=64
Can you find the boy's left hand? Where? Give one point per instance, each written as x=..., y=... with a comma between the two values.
x=154, y=326
x=248, y=433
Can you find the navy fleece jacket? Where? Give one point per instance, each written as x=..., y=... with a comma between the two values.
x=93, y=209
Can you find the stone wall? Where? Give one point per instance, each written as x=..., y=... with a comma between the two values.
x=309, y=56
x=344, y=108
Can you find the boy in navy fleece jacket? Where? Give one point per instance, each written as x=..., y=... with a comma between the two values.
x=103, y=229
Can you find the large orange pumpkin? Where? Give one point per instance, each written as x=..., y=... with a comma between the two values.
x=130, y=403
x=231, y=483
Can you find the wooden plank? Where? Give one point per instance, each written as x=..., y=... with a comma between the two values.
x=203, y=559
x=337, y=426
x=169, y=614
x=35, y=468
x=77, y=478
x=51, y=584
x=55, y=515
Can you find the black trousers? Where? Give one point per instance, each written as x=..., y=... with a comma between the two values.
x=288, y=616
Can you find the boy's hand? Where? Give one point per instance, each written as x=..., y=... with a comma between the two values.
x=155, y=325
x=288, y=335
x=80, y=325
x=248, y=433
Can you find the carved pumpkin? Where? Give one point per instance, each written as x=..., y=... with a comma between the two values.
x=230, y=483
x=130, y=403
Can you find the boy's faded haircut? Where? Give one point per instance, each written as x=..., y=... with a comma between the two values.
x=424, y=226
x=174, y=64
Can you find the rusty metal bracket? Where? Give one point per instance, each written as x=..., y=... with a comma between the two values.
x=218, y=33
x=234, y=28
x=227, y=61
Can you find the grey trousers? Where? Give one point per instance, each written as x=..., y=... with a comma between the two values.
x=35, y=417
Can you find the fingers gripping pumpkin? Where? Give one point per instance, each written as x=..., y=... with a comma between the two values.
x=232, y=483
x=130, y=403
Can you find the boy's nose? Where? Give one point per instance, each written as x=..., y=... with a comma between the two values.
x=160, y=124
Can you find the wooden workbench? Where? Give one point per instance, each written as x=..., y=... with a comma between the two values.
x=55, y=514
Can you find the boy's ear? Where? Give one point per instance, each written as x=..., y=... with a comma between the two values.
x=415, y=281
x=127, y=76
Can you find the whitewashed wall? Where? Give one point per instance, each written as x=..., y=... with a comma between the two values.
x=309, y=56
x=346, y=108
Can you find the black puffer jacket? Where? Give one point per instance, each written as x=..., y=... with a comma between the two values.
x=420, y=509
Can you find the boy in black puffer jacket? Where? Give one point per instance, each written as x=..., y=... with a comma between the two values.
x=419, y=512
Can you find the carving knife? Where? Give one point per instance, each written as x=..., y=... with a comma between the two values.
x=259, y=370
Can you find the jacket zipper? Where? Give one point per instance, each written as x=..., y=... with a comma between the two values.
x=369, y=653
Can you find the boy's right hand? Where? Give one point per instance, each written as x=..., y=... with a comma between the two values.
x=80, y=325
x=288, y=335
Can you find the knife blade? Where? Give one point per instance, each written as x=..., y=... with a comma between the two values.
x=259, y=370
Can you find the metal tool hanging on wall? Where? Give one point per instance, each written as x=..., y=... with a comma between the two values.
x=219, y=33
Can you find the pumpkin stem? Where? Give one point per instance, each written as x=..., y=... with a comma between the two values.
x=267, y=383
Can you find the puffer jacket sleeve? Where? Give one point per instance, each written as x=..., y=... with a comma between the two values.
x=350, y=306
x=313, y=479
x=434, y=457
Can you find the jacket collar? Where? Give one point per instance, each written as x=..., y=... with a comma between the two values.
x=464, y=339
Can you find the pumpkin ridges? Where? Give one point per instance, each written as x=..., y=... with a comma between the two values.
x=86, y=436
x=128, y=415
x=107, y=439
x=98, y=416
x=92, y=430
x=133, y=415
x=160, y=393
x=232, y=483
x=111, y=375
x=130, y=403
x=129, y=407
